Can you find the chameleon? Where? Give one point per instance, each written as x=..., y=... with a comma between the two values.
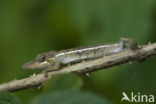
x=54, y=60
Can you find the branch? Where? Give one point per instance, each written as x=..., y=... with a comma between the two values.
x=83, y=67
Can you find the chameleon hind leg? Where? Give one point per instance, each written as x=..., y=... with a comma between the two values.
x=128, y=43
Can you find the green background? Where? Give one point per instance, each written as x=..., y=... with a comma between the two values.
x=29, y=27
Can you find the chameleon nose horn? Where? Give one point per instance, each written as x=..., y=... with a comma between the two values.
x=35, y=65
x=31, y=65
x=27, y=65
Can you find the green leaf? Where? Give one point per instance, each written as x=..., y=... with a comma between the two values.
x=7, y=98
x=63, y=82
x=69, y=97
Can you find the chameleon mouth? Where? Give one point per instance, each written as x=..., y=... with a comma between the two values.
x=35, y=65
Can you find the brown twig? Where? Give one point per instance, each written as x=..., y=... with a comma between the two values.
x=83, y=67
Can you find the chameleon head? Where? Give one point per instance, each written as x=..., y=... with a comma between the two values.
x=42, y=61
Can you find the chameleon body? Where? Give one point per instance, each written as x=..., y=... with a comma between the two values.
x=52, y=60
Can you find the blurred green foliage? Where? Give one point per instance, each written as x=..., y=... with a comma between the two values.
x=69, y=97
x=29, y=27
x=7, y=98
x=63, y=82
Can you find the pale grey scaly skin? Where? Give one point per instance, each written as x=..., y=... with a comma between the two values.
x=87, y=53
x=53, y=60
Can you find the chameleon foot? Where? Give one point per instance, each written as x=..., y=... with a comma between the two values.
x=45, y=73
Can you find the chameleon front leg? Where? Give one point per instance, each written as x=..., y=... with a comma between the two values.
x=53, y=67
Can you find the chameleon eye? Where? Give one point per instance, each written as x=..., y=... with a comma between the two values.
x=42, y=59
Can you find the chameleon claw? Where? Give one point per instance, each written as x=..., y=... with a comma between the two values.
x=88, y=74
x=40, y=86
